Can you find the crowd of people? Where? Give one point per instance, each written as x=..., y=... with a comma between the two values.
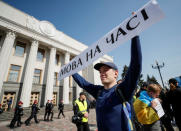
x=119, y=106
x=147, y=115
x=48, y=116
x=144, y=116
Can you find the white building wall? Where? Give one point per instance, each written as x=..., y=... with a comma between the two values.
x=18, y=60
x=27, y=29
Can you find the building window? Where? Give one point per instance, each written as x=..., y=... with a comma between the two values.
x=55, y=78
x=20, y=48
x=57, y=59
x=40, y=54
x=37, y=76
x=14, y=73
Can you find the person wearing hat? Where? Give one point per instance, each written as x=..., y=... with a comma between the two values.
x=50, y=110
x=111, y=113
x=46, y=110
x=17, y=115
x=172, y=97
x=60, y=108
x=80, y=108
x=34, y=111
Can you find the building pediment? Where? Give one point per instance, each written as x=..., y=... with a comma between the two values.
x=47, y=28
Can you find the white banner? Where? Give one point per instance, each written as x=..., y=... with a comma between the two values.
x=132, y=26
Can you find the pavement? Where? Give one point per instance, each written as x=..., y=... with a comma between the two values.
x=62, y=124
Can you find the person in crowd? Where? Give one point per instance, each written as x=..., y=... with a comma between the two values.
x=111, y=114
x=119, y=81
x=34, y=110
x=1, y=109
x=46, y=110
x=80, y=109
x=144, y=107
x=60, y=108
x=9, y=102
x=93, y=103
x=50, y=110
x=168, y=117
x=17, y=115
x=173, y=96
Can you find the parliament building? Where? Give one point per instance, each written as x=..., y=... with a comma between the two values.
x=31, y=55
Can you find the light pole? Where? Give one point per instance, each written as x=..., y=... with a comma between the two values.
x=158, y=67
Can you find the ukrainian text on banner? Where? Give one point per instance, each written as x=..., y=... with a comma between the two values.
x=132, y=26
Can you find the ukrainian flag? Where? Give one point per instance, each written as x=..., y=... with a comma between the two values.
x=144, y=112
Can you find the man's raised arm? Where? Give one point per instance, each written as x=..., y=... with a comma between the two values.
x=131, y=79
x=89, y=87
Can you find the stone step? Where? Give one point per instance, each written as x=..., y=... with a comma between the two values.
x=8, y=115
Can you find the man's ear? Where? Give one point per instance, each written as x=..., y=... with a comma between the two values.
x=116, y=73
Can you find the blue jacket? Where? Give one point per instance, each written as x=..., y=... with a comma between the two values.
x=109, y=108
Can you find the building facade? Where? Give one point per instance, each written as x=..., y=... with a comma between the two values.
x=31, y=55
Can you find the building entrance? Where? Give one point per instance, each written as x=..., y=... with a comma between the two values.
x=34, y=96
x=54, y=98
x=8, y=99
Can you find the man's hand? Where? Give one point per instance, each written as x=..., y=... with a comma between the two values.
x=86, y=115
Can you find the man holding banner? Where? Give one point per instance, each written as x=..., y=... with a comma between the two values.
x=110, y=112
x=113, y=112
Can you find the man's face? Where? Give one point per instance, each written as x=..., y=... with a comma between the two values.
x=172, y=86
x=83, y=97
x=20, y=104
x=107, y=74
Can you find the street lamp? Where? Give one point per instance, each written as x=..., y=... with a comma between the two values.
x=158, y=67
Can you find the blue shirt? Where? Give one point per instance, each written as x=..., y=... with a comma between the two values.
x=109, y=108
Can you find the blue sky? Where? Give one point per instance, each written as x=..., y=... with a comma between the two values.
x=89, y=20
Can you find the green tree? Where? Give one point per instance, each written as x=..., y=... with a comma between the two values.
x=140, y=80
x=125, y=69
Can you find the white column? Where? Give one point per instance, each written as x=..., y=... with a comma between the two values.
x=96, y=74
x=29, y=72
x=78, y=89
x=50, y=76
x=5, y=55
x=66, y=82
